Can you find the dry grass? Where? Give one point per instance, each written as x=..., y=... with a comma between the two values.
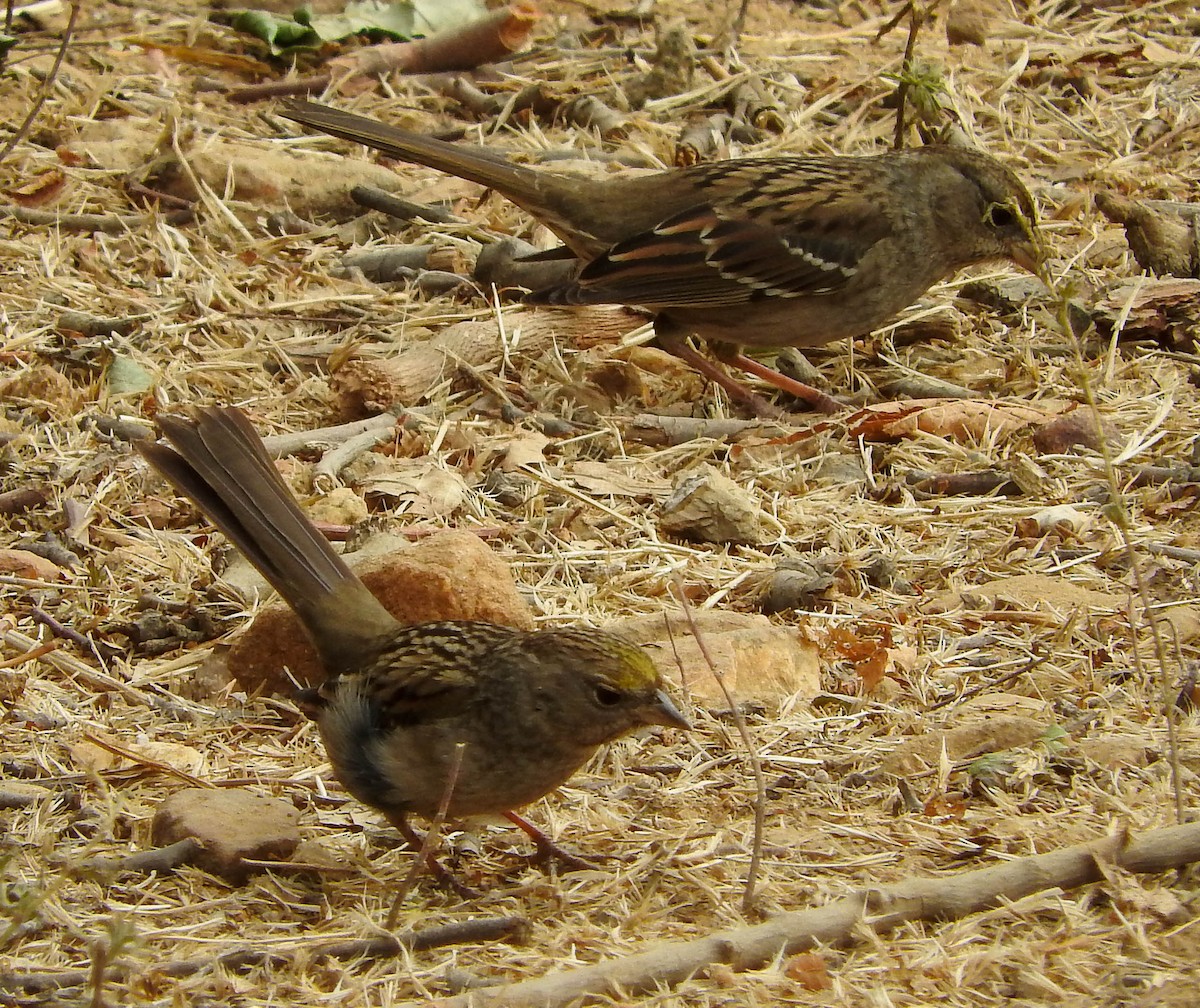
x=228, y=317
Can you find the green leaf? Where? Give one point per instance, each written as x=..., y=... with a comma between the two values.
x=437, y=15
x=1055, y=738
x=397, y=20
x=125, y=377
x=279, y=33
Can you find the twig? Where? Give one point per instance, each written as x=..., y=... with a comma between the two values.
x=157, y=860
x=402, y=209
x=105, y=223
x=91, y=325
x=659, y=429
x=425, y=855
x=47, y=85
x=479, y=929
x=739, y=720
x=1174, y=552
x=65, y=632
x=279, y=445
x=31, y=655
x=914, y=29
x=483, y=929
x=25, y=499
x=991, y=684
x=493, y=37
x=1171, y=136
x=738, y=26
x=71, y=665
x=279, y=89
x=135, y=757
x=1120, y=518
x=325, y=472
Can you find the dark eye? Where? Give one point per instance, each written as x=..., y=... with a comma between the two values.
x=1000, y=216
x=606, y=696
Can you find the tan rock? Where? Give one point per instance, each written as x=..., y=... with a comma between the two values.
x=969, y=22
x=707, y=506
x=232, y=825
x=995, y=734
x=757, y=659
x=1117, y=752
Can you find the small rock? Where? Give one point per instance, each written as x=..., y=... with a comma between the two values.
x=1079, y=428
x=341, y=506
x=968, y=22
x=800, y=583
x=707, y=506
x=1007, y=296
x=757, y=659
x=231, y=824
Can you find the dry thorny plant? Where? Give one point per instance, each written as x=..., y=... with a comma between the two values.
x=1000, y=666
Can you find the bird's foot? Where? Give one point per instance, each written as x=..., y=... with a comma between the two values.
x=547, y=850
x=442, y=875
x=822, y=402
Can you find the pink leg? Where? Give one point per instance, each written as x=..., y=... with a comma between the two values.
x=817, y=399
x=547, y=849
x=439, y=871
x=678, y=346
x=675, y=342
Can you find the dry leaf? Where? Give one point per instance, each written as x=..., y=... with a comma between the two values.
x=808, y=969
x=606, y=478
x=24, y=564
x=42, y=188
x=965, y=419
x=525, y=448
x=419, y=487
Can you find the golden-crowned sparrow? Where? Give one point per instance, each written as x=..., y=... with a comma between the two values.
x=529, y=707
x=760, y=252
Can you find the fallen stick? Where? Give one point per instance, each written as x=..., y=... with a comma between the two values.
x=950, y=897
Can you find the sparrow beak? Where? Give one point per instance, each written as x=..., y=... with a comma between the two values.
x=664, y=712
x=1028, y=255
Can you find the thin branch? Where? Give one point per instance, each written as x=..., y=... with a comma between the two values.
x=739, y=720
x=882, y=909
x=23, y=129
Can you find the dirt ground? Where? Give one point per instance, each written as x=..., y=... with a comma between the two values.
x=1019, y=617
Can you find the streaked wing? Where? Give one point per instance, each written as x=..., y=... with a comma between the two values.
x=430, y=670
x=796, y=230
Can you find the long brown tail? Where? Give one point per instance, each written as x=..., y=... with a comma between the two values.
x=476, y=164
x=220, y=463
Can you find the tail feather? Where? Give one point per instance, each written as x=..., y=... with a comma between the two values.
x=219, y=462
x=476, y=164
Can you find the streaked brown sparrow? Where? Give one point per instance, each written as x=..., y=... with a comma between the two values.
x=528, y=708
x=758, y=252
